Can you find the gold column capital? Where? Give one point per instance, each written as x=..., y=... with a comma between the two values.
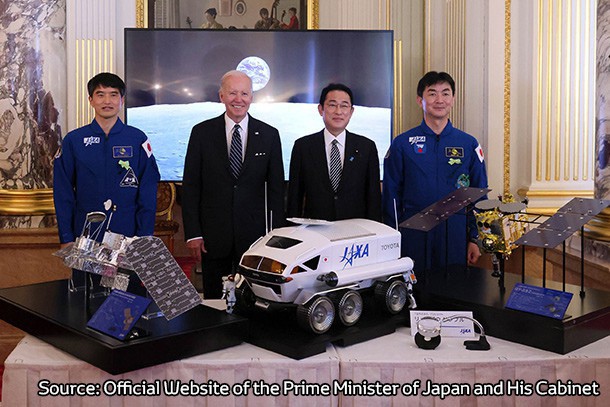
x=27, y=202
x=598, y=228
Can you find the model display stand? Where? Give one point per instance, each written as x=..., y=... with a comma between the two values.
x=59, y=317
x=472, y=289
x=321, y=282
x=279, y=331
x=461, y=288
x=61, y=314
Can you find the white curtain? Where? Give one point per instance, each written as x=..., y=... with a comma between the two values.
x=167, y=14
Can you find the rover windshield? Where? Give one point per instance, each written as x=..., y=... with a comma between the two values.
x=282, y=242
x=260, y=263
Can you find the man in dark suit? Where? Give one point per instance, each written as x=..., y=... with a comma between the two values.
x=334, y=174
x=230, y=161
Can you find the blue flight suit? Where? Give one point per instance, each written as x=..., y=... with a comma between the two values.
x=91, y=168
x=420, y=168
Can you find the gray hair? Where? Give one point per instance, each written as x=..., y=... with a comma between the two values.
x=231, y=74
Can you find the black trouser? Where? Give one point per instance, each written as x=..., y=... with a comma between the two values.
x=213, y=269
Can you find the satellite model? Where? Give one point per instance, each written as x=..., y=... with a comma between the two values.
x=90, y=255
x=148, y=256
x=503, y=226
x=321, y=268
x=500, y=223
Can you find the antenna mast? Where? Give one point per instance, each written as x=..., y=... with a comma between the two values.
x=395, y=214
x=266, y=216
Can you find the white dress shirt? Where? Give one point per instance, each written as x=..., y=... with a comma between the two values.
x=243, y=132
x=328, y=143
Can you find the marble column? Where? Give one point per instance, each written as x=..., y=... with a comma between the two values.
x=598, y=229
x=602, y=168
x=32, y=95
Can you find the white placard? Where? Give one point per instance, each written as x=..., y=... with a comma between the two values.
x=452, y=322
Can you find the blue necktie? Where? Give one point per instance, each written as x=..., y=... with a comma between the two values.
x=235, y=152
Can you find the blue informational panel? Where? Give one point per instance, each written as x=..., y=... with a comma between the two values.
x=118, y=314
x=539, y=300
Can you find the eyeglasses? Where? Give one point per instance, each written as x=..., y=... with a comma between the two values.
x=344, y=107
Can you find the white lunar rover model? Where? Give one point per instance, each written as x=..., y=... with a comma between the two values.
x=321, y=267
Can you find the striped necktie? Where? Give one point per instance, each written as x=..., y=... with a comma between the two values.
x=335, y=165
x=235, y=152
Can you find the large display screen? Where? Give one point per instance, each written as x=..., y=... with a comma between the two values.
x=173, y=77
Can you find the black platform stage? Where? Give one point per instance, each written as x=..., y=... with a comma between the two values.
x=51, y=313
x=280, y=333
x=471, y=289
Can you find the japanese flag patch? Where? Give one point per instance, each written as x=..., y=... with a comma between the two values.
x=479, y=152
x=147, y=147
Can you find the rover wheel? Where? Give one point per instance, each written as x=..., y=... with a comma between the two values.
x=244, y=298
x=350, y=308
x=318, y=316
x=392, y=295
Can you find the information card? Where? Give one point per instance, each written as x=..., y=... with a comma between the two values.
x=118, y=314
x=539, y=300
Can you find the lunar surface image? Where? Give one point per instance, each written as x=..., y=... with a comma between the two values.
x=168, y=127
x=173, y=78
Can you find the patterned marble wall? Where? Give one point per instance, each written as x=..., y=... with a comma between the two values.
x=32, y=92
x=602, y=168
x=597, y=246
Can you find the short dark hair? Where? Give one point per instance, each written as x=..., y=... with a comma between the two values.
x=293, y=9
x=432, y=78
x=211, y=11
x=108, y=80
x=263, y=11
x=336, y=86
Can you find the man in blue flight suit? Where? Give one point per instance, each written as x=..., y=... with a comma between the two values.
x=105, y=161
x=425, y=164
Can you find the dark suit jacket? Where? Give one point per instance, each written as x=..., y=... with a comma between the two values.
x=230, y=213
x=310, y=193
